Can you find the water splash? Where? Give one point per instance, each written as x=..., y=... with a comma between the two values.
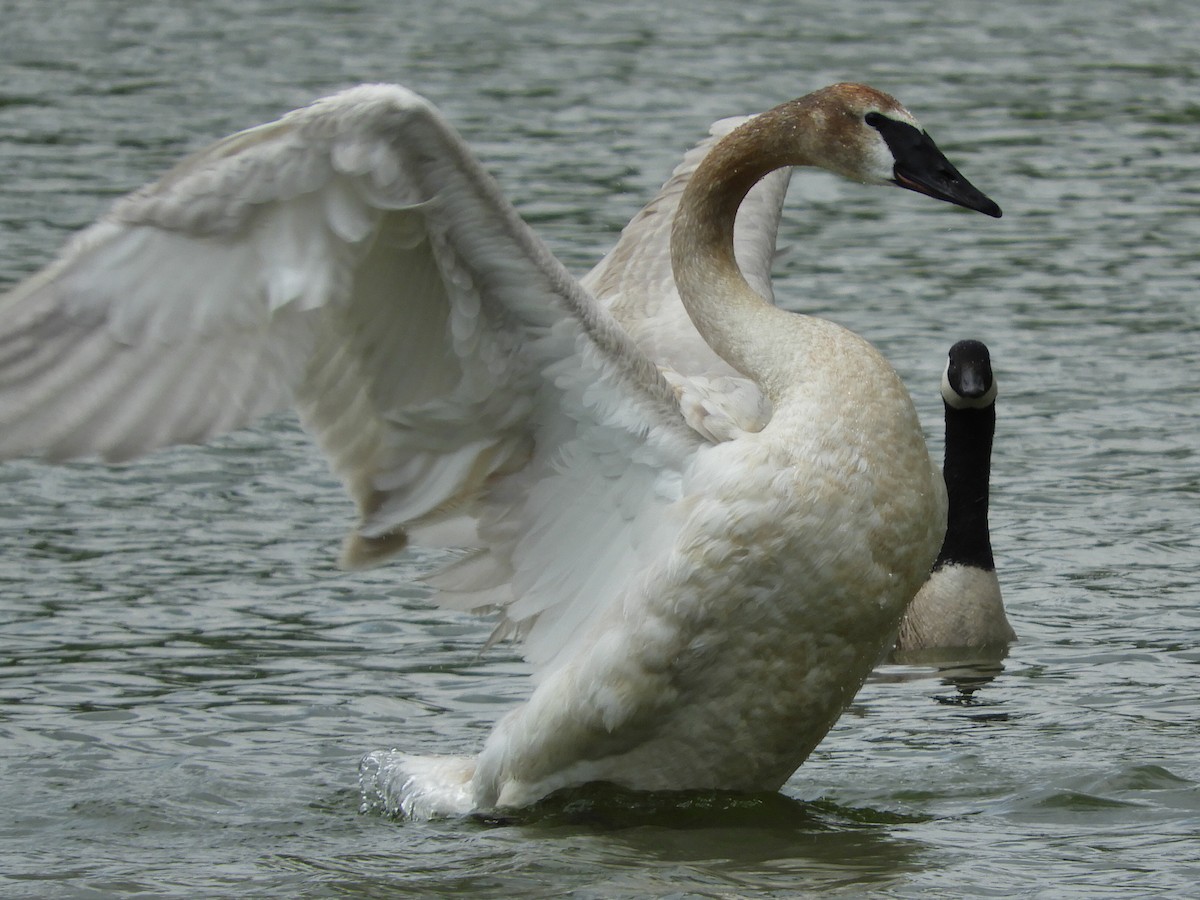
x=416, y=787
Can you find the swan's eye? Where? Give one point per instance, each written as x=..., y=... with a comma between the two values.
x=874, y=119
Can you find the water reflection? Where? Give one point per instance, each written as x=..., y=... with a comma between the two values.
x=609, y=807
x=608, y=842
x=964, y=669
x=725, y=836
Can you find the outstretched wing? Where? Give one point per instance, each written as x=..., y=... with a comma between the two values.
x=355, y=261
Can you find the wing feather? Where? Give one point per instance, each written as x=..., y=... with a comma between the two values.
x=355, y=262
x=636, y=282
x=635, y=279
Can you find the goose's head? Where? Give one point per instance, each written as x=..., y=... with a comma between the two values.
x=872, y=138
x=967, y=382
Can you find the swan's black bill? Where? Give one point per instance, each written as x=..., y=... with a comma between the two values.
x=922, y=167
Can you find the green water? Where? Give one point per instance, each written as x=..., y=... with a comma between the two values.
x=187, y=683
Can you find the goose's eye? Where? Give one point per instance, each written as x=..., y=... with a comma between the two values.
x=873, y=119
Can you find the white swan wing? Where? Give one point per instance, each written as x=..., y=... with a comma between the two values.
x=355, y=260
x=199, y=303
x=568, y=538
x=636, y=282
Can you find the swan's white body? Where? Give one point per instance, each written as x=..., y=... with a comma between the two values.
x=704, y=533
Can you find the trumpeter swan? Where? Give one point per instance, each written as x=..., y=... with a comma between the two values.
x=705, y=525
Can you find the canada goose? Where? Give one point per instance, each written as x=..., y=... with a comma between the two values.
x=960, y=604
x=704, y=552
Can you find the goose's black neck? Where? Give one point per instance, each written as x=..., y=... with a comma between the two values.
x=967, y=470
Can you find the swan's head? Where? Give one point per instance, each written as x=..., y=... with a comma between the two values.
x=967, y=382
x=881, y=142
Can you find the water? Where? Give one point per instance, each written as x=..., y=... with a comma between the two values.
x=187, y=682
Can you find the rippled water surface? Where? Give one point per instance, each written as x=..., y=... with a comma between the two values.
x=187, y=682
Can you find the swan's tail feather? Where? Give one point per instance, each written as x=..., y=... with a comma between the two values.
x=416, y=787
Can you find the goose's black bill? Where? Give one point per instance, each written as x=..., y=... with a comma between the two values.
x=922, y=167
x=969, y=369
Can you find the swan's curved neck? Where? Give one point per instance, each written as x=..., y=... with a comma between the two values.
x=736, y=322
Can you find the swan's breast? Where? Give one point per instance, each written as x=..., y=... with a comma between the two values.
x=739, y=652
x=790, y=583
